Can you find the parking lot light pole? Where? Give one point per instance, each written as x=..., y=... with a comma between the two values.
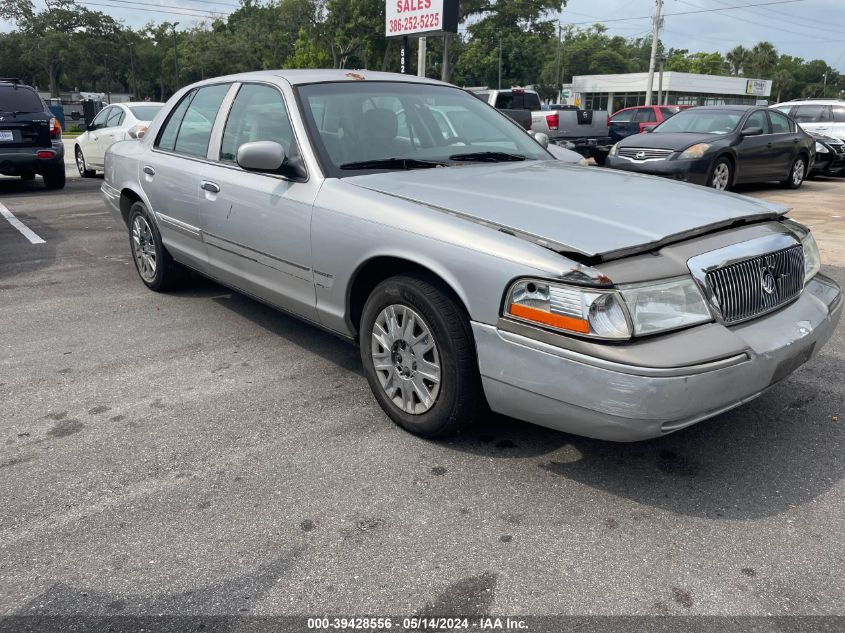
x=651, y=62
x=500, y=62
x=175, y=58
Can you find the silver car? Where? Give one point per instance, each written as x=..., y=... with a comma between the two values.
x=472, y=269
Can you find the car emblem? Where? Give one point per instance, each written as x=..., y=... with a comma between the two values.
x=768, y=281
x=639, y=155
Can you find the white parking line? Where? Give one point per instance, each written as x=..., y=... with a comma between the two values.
x=27, y=232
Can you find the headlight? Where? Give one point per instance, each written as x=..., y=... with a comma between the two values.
x=812, y=257
x=614, y=149
x=821, y=149
x=666, y=305
x=586, y=311
x=695, y=151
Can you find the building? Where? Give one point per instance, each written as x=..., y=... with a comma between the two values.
x=614, y=92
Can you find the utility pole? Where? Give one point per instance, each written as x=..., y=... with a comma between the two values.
x=421, y=57
x=445, y=71
x=824, y=88
x=557, y=63
x=651, y=62
x=132, y=65
x=500, y=62
x=176, y=57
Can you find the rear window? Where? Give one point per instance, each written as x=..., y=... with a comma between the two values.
x=518, y=101
x=812, y=113
x=668, y=112
x=145, y=113
x=19, y=100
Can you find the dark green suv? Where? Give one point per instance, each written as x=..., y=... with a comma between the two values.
x=30, y=136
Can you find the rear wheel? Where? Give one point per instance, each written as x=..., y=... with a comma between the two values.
x=82, y=166
x=54, y=177
x=154, y=264
x=796, y=174
x=720, y=175
x=418, y=356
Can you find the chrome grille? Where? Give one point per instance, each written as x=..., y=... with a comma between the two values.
x=758, y=285
x=643, y=154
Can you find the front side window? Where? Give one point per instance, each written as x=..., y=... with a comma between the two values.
x=758, y=119
x=780, y=123
x=258, y=114
x=100, y=120
x=354, y=122
x=195, y=131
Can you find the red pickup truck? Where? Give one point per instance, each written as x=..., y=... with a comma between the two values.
x=629, y=121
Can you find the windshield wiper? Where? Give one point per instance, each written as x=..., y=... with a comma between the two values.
x=393, y=163
x=487, y=157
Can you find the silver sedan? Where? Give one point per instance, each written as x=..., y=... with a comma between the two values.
x=472, y=269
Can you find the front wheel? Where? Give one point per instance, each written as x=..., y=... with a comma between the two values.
x=720, y=175
x=796, y=174
x=154, y=264
x=418, y=355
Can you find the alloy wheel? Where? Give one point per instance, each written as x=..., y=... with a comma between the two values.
x=406, y=359
x=80, y=162
x=143, y=248
x=721, y=176
x=798, y=172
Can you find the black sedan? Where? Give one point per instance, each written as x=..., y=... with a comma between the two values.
x=719, y=147
x=830, y=156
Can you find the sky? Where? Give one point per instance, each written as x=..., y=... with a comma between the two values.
x=812, y=29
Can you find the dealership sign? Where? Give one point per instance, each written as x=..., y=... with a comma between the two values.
x=755, y=87
x=420, y=17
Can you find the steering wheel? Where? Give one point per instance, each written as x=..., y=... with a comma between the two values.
x=456, y=139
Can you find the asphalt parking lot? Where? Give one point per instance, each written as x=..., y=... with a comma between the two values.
x=199, y=453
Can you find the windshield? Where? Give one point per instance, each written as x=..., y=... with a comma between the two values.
x=355, y=123
x=700, y=121
x=145, y=112
x=19, y=100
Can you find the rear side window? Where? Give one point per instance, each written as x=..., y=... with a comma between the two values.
x=780, y=123
x=195, y=131
x=839, y=114
x=115, y=118
x=19, y=100
x=167, y=138
x=258, y=114
x=623, y=117
x=645, y=115
x=812, y=113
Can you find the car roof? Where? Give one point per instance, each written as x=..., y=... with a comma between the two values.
x=319, y=75
x=738, y=107
x=132, y=104
x=810, y=102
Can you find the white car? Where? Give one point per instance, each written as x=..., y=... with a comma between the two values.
x=822, y=116
x=117, y=122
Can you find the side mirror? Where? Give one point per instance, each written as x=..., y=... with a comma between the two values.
x=261, y=156
x=542, y=138
x=752, y=131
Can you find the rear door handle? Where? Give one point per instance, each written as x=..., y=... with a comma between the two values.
x=212, y=187
x=149, y=170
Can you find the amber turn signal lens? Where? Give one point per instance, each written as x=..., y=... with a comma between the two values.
x=547, y=318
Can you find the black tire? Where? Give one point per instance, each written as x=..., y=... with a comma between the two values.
x=716, y=177
x=459, y=400
x=600, y=159
x=168, y=274
x=81, y=166
x=54, y=177
x=797, y=173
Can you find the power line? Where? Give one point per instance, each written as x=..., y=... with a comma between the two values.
x=757, y=22
x=156, y=6
x=648, y=17
x=809, y=22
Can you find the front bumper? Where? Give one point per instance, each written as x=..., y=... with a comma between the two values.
x=832, y=162
x=693, y=171
x=15, y=161
x=554, y=387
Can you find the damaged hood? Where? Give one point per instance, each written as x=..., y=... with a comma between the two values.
x=586, y=210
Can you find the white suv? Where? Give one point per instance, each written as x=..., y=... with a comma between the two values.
x=824, y=116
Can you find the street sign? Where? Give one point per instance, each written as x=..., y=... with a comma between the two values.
x=420, y=17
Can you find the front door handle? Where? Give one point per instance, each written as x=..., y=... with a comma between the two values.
x=795, y=140
x=209, y=186
x=150, y=171
x=769, y=145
